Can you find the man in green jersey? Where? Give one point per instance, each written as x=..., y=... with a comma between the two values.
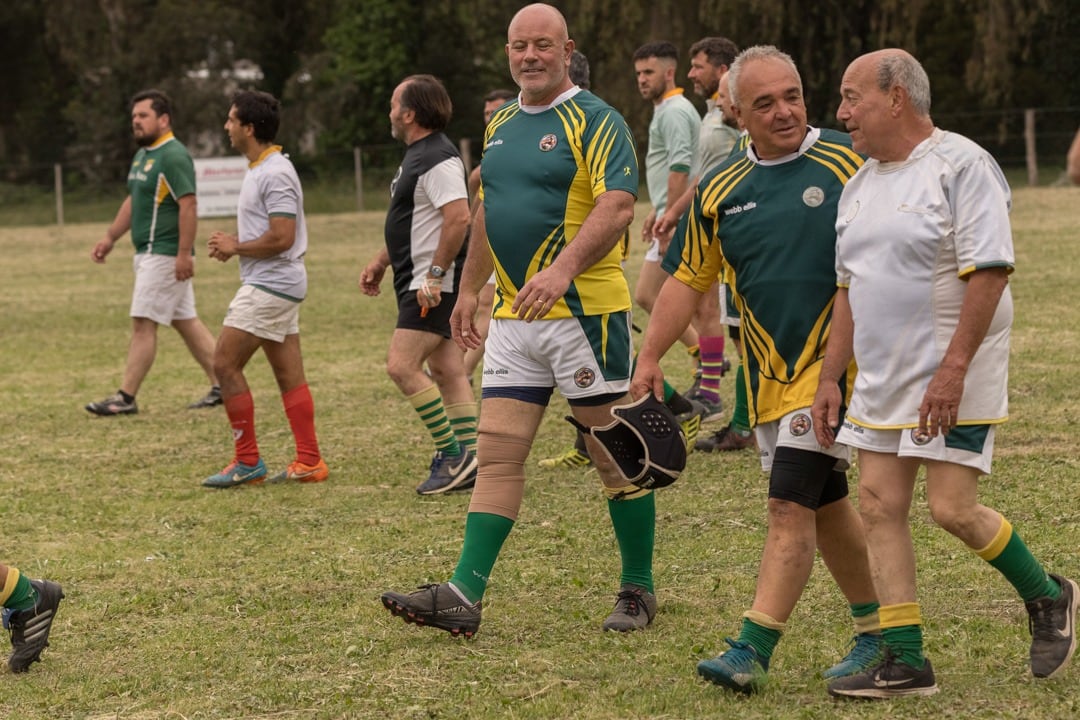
x=161, y=214
x=769, y=216
x=558, y=183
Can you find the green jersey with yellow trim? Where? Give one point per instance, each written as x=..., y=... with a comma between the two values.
x=540, y=176
x=160, y=175
x=771, y=227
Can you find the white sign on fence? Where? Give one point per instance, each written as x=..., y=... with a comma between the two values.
x=217, y=184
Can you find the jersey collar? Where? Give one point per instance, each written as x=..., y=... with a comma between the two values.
x=162, y=140
x=265, y=154
x=812, y=135
x=537, y=109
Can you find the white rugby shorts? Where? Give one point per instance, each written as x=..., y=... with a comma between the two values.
x=157, y=295
x=796, y=430
x=263, y=314
x=552, y=353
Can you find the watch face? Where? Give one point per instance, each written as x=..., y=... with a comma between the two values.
x=437, y=271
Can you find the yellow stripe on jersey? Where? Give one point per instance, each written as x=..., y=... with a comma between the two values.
x=843, y=161
x=500, y=117
x=699, y=260
x=773, y=370
x=163, y=190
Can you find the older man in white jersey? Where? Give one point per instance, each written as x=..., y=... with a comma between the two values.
x=936, y=205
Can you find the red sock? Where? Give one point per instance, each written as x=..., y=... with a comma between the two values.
x=241, y=411
x=300, y=409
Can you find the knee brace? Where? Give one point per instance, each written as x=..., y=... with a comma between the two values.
x=500, y=476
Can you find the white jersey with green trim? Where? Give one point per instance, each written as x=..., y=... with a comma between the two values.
x=908, y=236
x=673, y=142
x=272, y=188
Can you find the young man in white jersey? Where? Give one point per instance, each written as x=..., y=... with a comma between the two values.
x=270, y=244
x=710, y=58
x=932, y=347
x=673, y=143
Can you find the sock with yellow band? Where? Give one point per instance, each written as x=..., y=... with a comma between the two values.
x=901, y=629
x=1008, y=554
x=18, y=593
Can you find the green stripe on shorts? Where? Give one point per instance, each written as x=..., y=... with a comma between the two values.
x=971, y=438
x=614, y=359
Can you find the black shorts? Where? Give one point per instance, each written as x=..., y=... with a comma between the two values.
x=437, y=319
x=806, y=478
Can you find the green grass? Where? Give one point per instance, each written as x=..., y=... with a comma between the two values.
x=263, y=602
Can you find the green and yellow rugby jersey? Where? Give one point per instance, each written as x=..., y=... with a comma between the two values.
x=771, y=226
x=159, y=176
x=540, y=175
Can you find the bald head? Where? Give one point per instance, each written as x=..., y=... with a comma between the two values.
x=544, y=14
x=538, y=47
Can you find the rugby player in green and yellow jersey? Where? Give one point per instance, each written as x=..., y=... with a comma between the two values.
x=160, y=211
x=767, y=218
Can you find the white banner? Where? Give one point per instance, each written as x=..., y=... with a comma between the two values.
x=217, y=184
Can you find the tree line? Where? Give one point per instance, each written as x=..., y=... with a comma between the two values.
x=70, y=66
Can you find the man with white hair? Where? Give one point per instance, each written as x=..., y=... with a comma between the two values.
x=936, y=205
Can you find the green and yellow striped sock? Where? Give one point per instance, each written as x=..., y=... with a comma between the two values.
x=428, y=405
x=463, y=420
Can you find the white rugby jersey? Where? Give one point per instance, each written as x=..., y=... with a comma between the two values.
x=271, y=187
x=908, y=234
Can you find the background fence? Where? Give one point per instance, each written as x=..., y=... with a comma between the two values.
x=1030, y=144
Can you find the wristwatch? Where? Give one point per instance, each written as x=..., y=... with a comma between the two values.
x=436, y=271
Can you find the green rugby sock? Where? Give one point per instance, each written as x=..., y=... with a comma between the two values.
x=484, y=537
x=634, y=521
x=906, y=644
x=762, y=639
x=1019, y=566
x=23, y=596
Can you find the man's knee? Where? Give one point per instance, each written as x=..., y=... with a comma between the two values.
x=500, y=476
x=956, y=519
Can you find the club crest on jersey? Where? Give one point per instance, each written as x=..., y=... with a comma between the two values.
x=149, y=164
x=799, y=425
x=852, y=212
x=548, y=142
x=813, y=196
x=920, y=437
x=584, y=377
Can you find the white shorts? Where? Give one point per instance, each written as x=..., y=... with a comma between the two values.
x=263, y=314
x=728, y=314
x=796, y=430
x=968, y=445
x=653, y=253
x=157, y=295
x=559, y=353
